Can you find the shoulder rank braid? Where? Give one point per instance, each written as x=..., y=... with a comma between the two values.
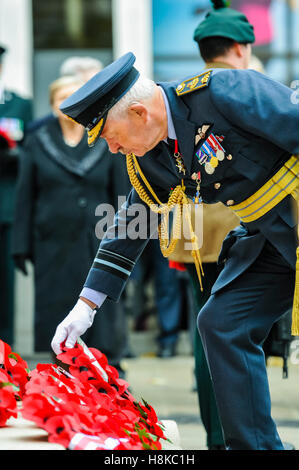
x=177, y=200
x=194, y=83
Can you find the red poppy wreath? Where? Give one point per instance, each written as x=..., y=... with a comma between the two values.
x=86, y=407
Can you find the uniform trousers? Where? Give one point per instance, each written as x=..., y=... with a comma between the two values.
x=233, y=325
x=206, y=397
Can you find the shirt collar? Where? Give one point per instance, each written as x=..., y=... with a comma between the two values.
x=170, y=126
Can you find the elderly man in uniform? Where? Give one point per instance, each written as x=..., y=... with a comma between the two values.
x=235, y=138
x=224, y=38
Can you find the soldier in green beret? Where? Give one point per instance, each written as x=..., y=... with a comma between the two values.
x=224, y=37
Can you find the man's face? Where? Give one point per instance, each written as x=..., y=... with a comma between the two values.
x=132, y=133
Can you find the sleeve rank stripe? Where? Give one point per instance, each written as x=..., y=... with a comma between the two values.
x=114, y=260
x=113, y=266
x=105, y=267
x=116, y=256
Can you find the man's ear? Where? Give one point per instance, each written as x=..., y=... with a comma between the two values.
x=238, y=49
x=138, y=110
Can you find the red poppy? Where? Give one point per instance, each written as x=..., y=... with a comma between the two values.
x=100, y=357
x=20, y=379
x=9, y=359
x=8, y=406
x=61, y=429
x=38, y=408
x=15, y=366
x=15, y=358
x=5, y=349
x=5, y=377
x=69, y=356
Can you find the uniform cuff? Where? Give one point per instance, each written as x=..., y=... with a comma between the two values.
x=93, y=295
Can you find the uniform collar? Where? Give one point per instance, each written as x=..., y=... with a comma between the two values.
x=171, y=134
x=179, y=126
x=218, y=65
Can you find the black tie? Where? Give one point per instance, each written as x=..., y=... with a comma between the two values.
x=171, y=143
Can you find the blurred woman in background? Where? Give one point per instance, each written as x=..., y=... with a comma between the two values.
x=61, y=182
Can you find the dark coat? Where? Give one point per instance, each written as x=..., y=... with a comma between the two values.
x=15, y=116
x=59, y=188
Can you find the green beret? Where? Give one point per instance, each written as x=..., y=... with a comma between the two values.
x=227, y=23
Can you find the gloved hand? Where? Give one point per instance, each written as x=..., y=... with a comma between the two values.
x=74, y=325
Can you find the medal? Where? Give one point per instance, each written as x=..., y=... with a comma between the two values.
x=220, y=152
x=214, y=162
x=211, y=152
x=220, y=155
x=180, y=166
x=179, y=159
x=209, y=168
x=197, y=198
x=202, y=157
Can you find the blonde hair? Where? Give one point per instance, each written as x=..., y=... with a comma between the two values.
x=61, y=82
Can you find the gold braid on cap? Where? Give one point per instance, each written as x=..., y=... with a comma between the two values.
x=177, y=200
x=93, y=133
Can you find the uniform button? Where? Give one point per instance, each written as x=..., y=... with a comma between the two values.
x=217, y=185
x=230, y=202
x=229, y=157
x=82, y=202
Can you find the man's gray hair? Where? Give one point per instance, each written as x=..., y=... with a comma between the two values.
x=142, y=90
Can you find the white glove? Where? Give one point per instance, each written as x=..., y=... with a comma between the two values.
x=74, y=325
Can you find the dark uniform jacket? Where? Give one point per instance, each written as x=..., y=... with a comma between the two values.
x=259, y=124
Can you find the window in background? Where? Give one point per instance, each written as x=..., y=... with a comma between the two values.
x=61, y=24
x=64, y=28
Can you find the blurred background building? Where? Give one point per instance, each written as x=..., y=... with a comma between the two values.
x=40, y=35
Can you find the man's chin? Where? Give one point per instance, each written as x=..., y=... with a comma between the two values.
x=137, y=154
